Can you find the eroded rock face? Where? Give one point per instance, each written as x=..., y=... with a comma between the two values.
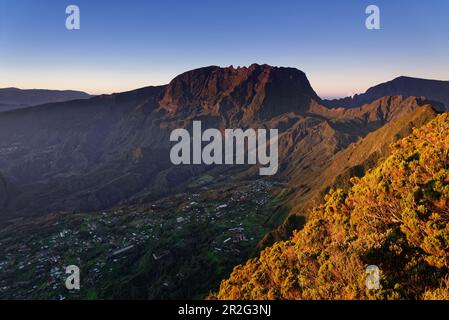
x=240, y=95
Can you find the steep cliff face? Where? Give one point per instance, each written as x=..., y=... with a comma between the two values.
x=351, y=143
x=241, y=96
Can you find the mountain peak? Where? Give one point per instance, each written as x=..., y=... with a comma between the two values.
x=260, y=91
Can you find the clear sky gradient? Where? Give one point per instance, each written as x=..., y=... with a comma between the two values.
x=124, y=45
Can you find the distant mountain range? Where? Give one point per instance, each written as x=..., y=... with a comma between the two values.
x=14, y=98
x=5, y=192
x=434, y=90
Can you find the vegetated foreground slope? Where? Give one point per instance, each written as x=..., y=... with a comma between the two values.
x=396, y=217
x=306, y=191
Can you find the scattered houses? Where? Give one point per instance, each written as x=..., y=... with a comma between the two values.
x=32, y=264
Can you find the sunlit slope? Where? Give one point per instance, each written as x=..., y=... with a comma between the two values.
x=361, y=155
x=395, y=217
x=307, y=190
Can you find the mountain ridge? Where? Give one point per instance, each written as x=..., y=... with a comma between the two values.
x=435, y=90
x=12, y=98
x=98, y=171
x=307, y=191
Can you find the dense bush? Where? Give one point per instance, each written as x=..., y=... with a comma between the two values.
x=396, y=217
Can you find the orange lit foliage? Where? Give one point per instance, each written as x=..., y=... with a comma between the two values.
x=396, y=217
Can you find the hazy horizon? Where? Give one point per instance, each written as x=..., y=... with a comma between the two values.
x=162, y=84
x=121, y=47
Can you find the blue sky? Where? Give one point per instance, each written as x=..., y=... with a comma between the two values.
x=123, y=45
